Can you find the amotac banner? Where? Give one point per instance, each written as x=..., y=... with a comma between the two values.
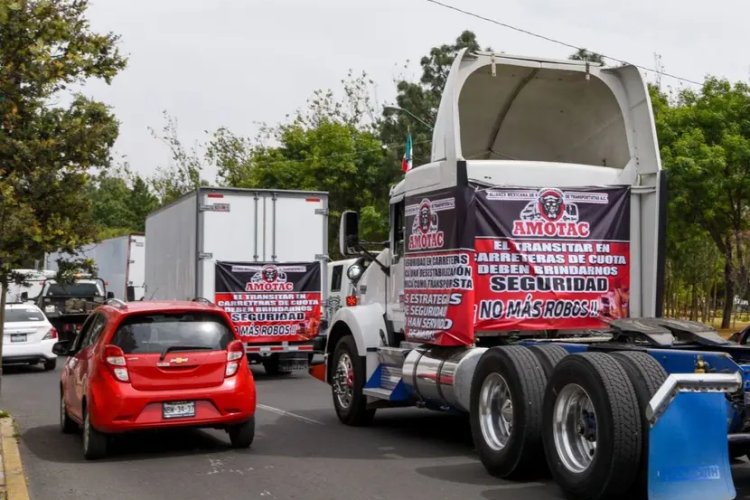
x=481, y=259
x=551, y=258
x=438, y=284
x=271, y=301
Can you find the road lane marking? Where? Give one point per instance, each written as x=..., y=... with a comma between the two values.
x=285, y=413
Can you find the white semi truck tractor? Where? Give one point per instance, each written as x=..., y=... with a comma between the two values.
x=522, y=283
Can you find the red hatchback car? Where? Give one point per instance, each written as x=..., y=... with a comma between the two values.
x=147, y=365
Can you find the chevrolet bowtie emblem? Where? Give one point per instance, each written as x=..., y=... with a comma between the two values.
x=178, y=360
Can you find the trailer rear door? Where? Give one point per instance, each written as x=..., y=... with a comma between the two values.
x=262, y=226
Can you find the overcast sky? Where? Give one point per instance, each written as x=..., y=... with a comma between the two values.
x=236, y=63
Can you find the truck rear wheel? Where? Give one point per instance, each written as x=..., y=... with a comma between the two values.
x=548, y=355
x=506, y=411
x=592, y=428
x=646, y=375
x=347, y=382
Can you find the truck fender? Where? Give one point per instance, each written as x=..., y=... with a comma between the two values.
x=366, y=324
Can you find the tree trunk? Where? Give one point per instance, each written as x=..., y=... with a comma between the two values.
x=716, y=303
x=726, y=316
x=693, y=303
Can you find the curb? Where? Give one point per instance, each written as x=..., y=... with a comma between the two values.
x=11, y=467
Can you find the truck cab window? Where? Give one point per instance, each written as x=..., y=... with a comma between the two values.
x=397, y=225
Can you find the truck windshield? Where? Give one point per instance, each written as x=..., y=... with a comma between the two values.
x=154, y=333
x=13, y=315
x=81, y=290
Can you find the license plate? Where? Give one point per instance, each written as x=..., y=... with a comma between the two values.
x=18, y=337
x=180, y=409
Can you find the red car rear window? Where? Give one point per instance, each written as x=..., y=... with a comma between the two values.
x=154, y=333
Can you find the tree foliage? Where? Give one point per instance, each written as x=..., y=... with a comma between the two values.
x=422, y=99
x=120, y=200
x=183, y=174
x=587, y=55
x=705, y=145
x=48, y=149
x=331, y=145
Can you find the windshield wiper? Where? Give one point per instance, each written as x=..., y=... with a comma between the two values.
x=184, y=348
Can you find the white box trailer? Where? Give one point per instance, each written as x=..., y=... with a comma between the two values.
x=120, y=262
x=259, y=254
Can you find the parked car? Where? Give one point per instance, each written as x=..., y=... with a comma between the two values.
x=28, y=337
x=148, y=365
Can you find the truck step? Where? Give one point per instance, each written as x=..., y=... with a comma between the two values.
x=377, y=392
x=390, y=376
x=392, y=356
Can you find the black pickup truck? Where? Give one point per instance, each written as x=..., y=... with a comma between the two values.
x=68, y=305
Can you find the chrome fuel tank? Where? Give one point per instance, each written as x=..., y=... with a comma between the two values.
x=442, y=375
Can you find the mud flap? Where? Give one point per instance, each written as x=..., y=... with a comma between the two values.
x=688, y=456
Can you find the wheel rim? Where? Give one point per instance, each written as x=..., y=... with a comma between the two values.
x=495, y=411
x=575, y=428
x=343, y=383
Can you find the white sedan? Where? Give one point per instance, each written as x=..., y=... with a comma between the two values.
x=28, y=336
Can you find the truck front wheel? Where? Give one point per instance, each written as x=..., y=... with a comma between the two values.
x=347, y=382
x=506, y=411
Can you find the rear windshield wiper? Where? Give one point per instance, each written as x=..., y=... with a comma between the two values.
x=184, y=348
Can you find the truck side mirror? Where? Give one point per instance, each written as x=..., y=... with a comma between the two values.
x=110, y=295
x=349, y=233
x=24, y=296
x=130, y=293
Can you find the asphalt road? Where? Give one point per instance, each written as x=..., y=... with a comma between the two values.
x=300, y=451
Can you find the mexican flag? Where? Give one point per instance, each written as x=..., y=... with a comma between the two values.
x=406, y=160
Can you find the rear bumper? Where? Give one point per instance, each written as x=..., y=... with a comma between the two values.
x=28, y=352
x=128, y=409
x=268, y=349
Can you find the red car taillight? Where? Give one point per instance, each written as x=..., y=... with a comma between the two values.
x=51, y=334
x=114, y=358
x=351, y=300
x=235, y=351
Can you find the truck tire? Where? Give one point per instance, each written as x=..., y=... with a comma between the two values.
x=548, y=355
x=592, y=428
x=507, y=392
x=347, y=382
x=647, y=375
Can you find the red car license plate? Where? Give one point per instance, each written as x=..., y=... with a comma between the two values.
x=179, y=409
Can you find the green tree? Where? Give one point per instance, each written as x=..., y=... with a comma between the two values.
x=422, y=100
x=586, y=55
x=705, y=144
x=47, y=149
x=329, y=145
x=183, y=174
x=120, y=200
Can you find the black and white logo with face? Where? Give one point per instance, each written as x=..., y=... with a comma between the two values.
x=426, y=220
x=269, y=274
x=550, y=206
